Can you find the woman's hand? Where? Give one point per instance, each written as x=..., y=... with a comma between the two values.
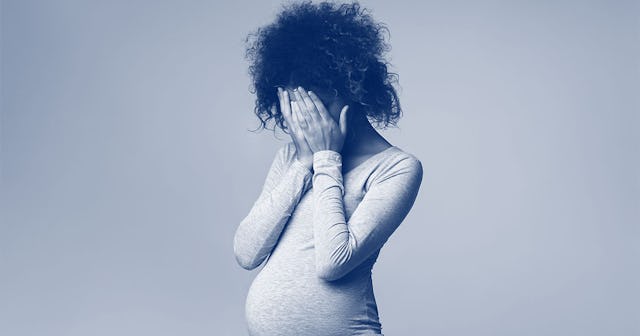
x=304, y=154
x=319, y=129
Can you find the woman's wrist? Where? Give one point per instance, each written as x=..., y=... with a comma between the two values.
x=306, y=163
x=328, y=164
x=327, y=154
x=326, y=159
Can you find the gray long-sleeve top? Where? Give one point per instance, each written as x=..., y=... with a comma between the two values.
x=321, y=232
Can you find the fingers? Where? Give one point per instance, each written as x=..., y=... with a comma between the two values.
x=299, y=99
x=343, y=120
x=307, y=107
x=324, y=114
x=297, y=116
x=291, y=113
x=292, y=124
x=285, y=107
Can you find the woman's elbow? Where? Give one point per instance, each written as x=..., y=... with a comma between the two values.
x=244, y=258
x=247, y=262
x=333, y=266
x=329, y=271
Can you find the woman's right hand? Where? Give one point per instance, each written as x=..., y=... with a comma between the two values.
x=304, y=154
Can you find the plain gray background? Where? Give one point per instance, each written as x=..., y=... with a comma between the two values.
x=127, y=165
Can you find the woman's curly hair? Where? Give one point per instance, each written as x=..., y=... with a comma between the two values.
x=337, y=47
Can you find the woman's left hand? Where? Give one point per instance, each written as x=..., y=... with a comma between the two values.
x=318, y=127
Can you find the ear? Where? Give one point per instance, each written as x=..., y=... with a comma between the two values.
x=343, y=120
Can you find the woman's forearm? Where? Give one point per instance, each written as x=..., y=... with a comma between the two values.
x=258, y=232
x=331, y=232
x=342, y=244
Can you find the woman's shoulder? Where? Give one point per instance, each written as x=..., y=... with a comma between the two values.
x=402, y=159
x=398, y=163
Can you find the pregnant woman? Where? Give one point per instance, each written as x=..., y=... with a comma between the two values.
x=333, y=195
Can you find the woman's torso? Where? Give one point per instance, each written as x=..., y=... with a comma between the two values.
x=288, y=298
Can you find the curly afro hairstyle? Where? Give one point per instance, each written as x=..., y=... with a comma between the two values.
x=336, y=47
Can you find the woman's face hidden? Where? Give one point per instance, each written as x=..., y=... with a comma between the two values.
x=331, y=102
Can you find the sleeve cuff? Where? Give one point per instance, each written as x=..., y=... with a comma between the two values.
x=307, y=175
x=324, y=157
x=328, y=163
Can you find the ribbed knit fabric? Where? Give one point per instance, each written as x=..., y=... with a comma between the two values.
x=320, y=233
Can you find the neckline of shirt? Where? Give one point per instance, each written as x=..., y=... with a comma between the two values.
x=365, y=162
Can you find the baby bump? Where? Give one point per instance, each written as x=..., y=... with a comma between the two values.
x=281, y=301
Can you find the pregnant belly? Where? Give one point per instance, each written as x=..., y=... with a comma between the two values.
x=294, y=301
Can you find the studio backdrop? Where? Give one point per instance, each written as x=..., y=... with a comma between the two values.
x=127, y=162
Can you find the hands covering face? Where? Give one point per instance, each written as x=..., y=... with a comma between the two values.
x=311, y=125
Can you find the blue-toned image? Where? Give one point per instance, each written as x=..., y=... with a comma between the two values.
x=338, y=190
x=319, y=168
